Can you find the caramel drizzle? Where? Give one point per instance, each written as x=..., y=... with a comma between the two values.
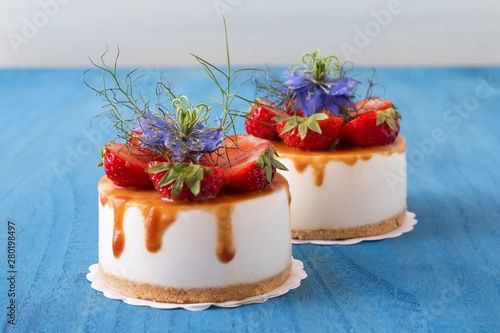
x=317, y=168
x=156, y=223
x=225, y=244
x=159, y=214
x=319, y=164
x=317, y=160
x=118, y=233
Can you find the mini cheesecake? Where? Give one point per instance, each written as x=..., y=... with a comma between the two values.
x=347, y=192
x=228, y=248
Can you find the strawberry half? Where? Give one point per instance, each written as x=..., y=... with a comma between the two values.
x=251, y=164
x=186, y=182
x=259, y=121
x=373, y=128
x=373, y=104
x=125, y=165
x=133, y=138
x=316, y=132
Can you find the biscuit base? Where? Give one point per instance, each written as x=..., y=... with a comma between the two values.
x=157, y=293
x=371, y=229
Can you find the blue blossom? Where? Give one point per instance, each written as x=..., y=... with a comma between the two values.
x=169, y=133
x=153, y=129
x=202, y=140
x=312, y=96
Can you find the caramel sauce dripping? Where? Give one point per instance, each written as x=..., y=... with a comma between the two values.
x=160, y=214
x=225, y=245
x=318, y=169
x=118, y=233
x=289, y=195
x=156, y=223
x=349, y=155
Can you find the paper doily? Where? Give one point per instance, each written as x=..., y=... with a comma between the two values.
x=297, y=274
x=407, y=226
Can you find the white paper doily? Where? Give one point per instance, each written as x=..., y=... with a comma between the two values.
x=407, y=226
x=297, y=274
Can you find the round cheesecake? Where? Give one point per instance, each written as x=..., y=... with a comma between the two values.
x=228, y=248
x=347, y=192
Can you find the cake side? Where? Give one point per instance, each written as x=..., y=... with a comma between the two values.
x=347, y=192
x=236, y=239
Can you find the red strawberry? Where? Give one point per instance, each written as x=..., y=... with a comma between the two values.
x=251, y=164
x=289, y=109
x=372, y=104
x=125, y=165
x=374, y=128
x=186, y=182
x=259, y=121
x=317, y=132
x=133, y=138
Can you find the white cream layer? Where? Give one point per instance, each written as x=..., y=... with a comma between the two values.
x=350, y=196
x=187, y=258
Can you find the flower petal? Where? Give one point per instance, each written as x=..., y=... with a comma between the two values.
x=341, y=86
x=153, y=130
x=313, y=97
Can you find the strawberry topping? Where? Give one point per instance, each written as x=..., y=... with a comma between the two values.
x=377, y=124
x=251, y=164
x=317, y=132
x=125, y=165
x=373, y=104
x=259, y=121
x=186, y=182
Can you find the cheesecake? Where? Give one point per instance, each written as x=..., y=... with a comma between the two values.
x=346, y=192
x=345, y=158
x=234, y=246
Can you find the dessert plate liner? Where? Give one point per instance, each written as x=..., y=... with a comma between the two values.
x=407, y=226
x=297, y=274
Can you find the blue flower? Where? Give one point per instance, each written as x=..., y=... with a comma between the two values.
x=168, y=133
x=202, y=140
x=312, y=96
x=153, y=130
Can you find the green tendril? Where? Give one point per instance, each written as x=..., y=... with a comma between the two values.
x=319, y=67
x=224, y=81
x=126, y=106
x=187, y=117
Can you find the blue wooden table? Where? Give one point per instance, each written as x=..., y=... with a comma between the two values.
x=442, y=276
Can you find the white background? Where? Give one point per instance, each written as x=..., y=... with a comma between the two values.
x=161, y=32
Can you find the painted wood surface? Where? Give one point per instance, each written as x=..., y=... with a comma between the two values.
x=442, y=276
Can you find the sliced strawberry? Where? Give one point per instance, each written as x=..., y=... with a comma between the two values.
x=251, y=164
x=317, y=132
x=372, y=104
x=259, y=121
x=133, y=138
x=374, y=128
x=125, y=165
x=186, y=182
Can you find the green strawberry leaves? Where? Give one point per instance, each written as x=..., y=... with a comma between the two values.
x=388, y=116
x=304, y=123
x=268, y=161
x=101, y=154
x=180, y=173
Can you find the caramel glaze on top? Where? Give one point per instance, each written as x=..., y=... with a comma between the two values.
x=317, y=159
x=159, y=214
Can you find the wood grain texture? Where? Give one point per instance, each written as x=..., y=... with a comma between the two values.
x=442, y=276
